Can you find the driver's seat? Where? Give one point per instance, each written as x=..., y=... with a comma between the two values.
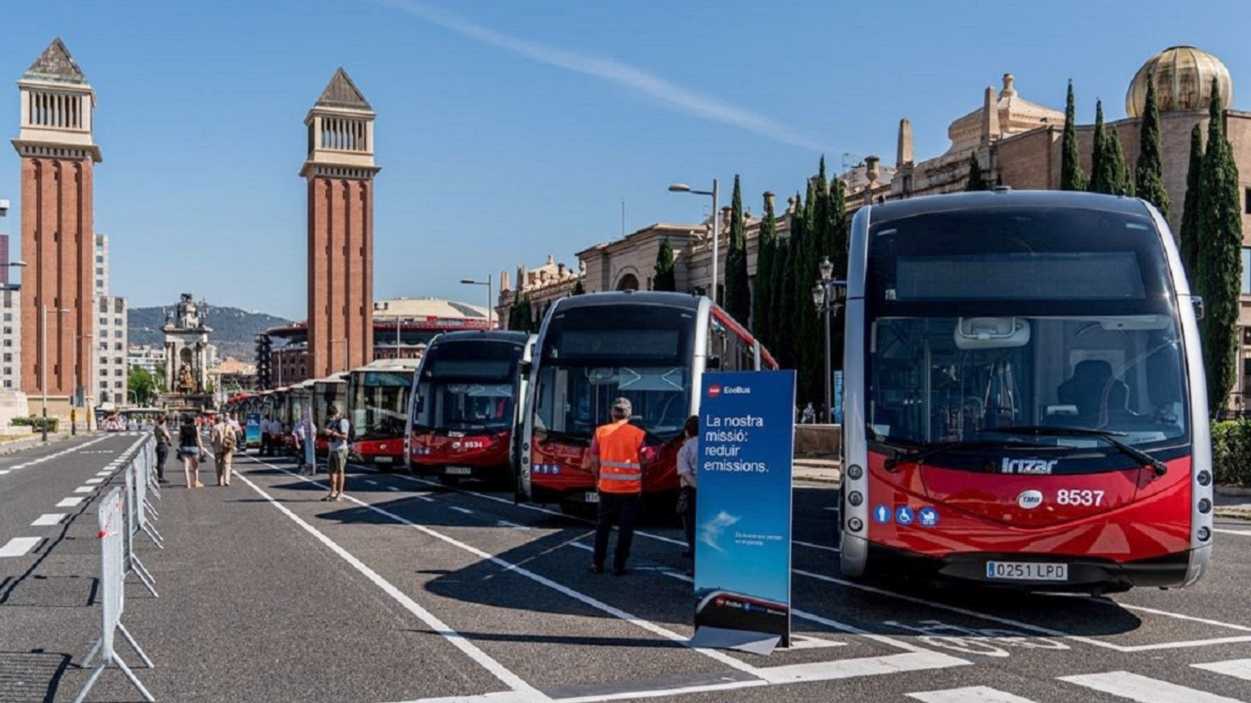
x=1091, y=387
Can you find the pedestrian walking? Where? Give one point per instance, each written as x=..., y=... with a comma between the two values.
x=225, y=440
x=688, y=465
x=615, y=461
x=338, y=430
x=190, y=449
x=163, y=440
x=810, y=415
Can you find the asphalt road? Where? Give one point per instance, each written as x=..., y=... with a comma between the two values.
x=407, y=590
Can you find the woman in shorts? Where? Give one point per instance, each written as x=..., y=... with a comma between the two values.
x=190, y=447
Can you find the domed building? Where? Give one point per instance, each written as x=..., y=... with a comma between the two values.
x=1183, y=81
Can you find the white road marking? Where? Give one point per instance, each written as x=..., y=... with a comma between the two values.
x=1238, y=668
x=18, y=546
x=515, y=526
x=1180, y=616
x=459, y=509
x=5, y=471
x=94, y=481
x=810, y=545
x=507, y=677
x=48, y=519
x=84, y=489
x=70, y=502
x=1144, y=689
x=1232, y=532
x=392, y=488
x=969, y=694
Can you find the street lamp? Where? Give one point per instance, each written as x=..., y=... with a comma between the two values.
x=43, y=362
x=490, y=302
x=716, y=224
x=827, y=296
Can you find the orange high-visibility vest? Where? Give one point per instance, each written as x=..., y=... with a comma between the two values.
x=619, y=468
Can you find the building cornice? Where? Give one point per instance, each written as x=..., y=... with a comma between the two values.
x=56, y=150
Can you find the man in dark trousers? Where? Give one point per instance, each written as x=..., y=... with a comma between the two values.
x=163, y=441
x=615, y=461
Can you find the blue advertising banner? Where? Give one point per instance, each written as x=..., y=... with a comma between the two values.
x=252, y=430
x=743, y=506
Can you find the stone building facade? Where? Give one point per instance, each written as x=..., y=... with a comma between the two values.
x=58, y=157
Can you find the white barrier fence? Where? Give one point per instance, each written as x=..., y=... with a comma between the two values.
x=123, y=513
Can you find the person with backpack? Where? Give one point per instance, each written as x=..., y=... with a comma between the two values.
x=339, y=431
x=163, y=440
x=225, y=440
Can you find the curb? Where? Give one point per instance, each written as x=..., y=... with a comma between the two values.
x=1235, y=513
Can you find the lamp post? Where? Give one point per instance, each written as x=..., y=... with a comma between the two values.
x=827, y=296
x=490, y=301
x=43, y=362
x=716, y=225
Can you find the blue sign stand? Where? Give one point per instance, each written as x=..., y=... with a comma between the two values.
x=252, y=430
x=743, y=510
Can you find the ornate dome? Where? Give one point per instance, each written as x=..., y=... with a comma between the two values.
x=1183, y=81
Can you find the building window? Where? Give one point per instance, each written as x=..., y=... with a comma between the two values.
x=8, y=317
x=1246, y=201
x=8, y=356
x=1246, y=270
x=117, y=384
x=8, y=383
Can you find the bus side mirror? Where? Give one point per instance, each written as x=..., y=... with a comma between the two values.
x=1197, y=302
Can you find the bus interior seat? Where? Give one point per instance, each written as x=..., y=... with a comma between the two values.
x=1087, y=386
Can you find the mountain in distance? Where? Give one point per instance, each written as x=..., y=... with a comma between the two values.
x=234, y=329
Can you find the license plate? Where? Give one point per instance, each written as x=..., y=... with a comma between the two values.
x=383, y=459
x=591, y=497
x=458, y=471
x=1026, y=571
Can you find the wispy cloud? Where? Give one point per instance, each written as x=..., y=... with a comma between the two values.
x=711, y=531
x=674, y=96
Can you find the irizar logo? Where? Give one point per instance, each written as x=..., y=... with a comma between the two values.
x=1026, y=466
x=1030, y=499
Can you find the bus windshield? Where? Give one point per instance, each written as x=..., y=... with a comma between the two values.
x=591, y=356
x=379, y=403
x=467, y=387
x=1016, y=318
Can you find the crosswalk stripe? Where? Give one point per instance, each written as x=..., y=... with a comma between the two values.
x=47, y=519
x=1144, y=689
x=18, y=546
x=969, y=694
x=69, y=502
x=1238, y=668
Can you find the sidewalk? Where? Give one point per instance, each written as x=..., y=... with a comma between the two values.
x=817, y=471
x=1233, y=502
x=34, y=440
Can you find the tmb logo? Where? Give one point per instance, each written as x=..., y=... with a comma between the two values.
x=714, y=390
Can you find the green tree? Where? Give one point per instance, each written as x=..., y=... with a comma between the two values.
x=1149, y=171
x=1071, y=176
x=838, y=256
x=737, y=285
x=1220, y=261
x=520, y=315
x=780, y=314
x=142, y=384
x=1120, y=181
x=809, y=339
x=977, y=180
x=665, y=276
x=578, y=288
x=762, y=298
x=1096, y=150
x=787, y=330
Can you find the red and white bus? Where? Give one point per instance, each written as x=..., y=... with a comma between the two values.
x=1024, y=394
x=650, y=347
x=463, y=409
x=378, y=408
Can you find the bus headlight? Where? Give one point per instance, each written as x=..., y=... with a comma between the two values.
x=1204, y=478
x=855, y=498
x=1204, y=534
x=1205, y=505
x=854, y=472
x=855, y=524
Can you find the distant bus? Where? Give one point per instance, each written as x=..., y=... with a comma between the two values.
x=378, y=399
x=652, y=348
x=463, y=410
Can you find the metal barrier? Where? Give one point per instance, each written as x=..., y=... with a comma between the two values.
x=112, y=577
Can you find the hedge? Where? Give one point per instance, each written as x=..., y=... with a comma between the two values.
x=35, y=423
x=1231, y=452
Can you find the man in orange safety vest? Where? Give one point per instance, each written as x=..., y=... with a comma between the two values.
x=614, y=459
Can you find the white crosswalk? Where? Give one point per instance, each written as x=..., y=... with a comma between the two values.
x=1126, y=685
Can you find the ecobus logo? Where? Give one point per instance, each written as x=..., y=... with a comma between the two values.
x=1026, y=466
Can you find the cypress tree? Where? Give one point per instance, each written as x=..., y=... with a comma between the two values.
x=1071, y=176
x=737, y=283
x=821, y=222
x=788, y=322
x=780, y=315
x=977, y=181
x=1118, y=179
x=1096, y=151
x=838, y=256
x=1149, y=171
x=762, y=299
x=1220, y=261
x=1189, y=234
x=810, y=339
x=578, y=288
x=665, y=275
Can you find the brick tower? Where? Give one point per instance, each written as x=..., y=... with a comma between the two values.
x=340, y=173
x=57, y=155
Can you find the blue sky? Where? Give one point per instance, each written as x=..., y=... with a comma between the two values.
x=510, y=130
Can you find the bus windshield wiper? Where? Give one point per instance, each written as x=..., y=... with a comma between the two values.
x=1109, y=436
x=920, y=454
